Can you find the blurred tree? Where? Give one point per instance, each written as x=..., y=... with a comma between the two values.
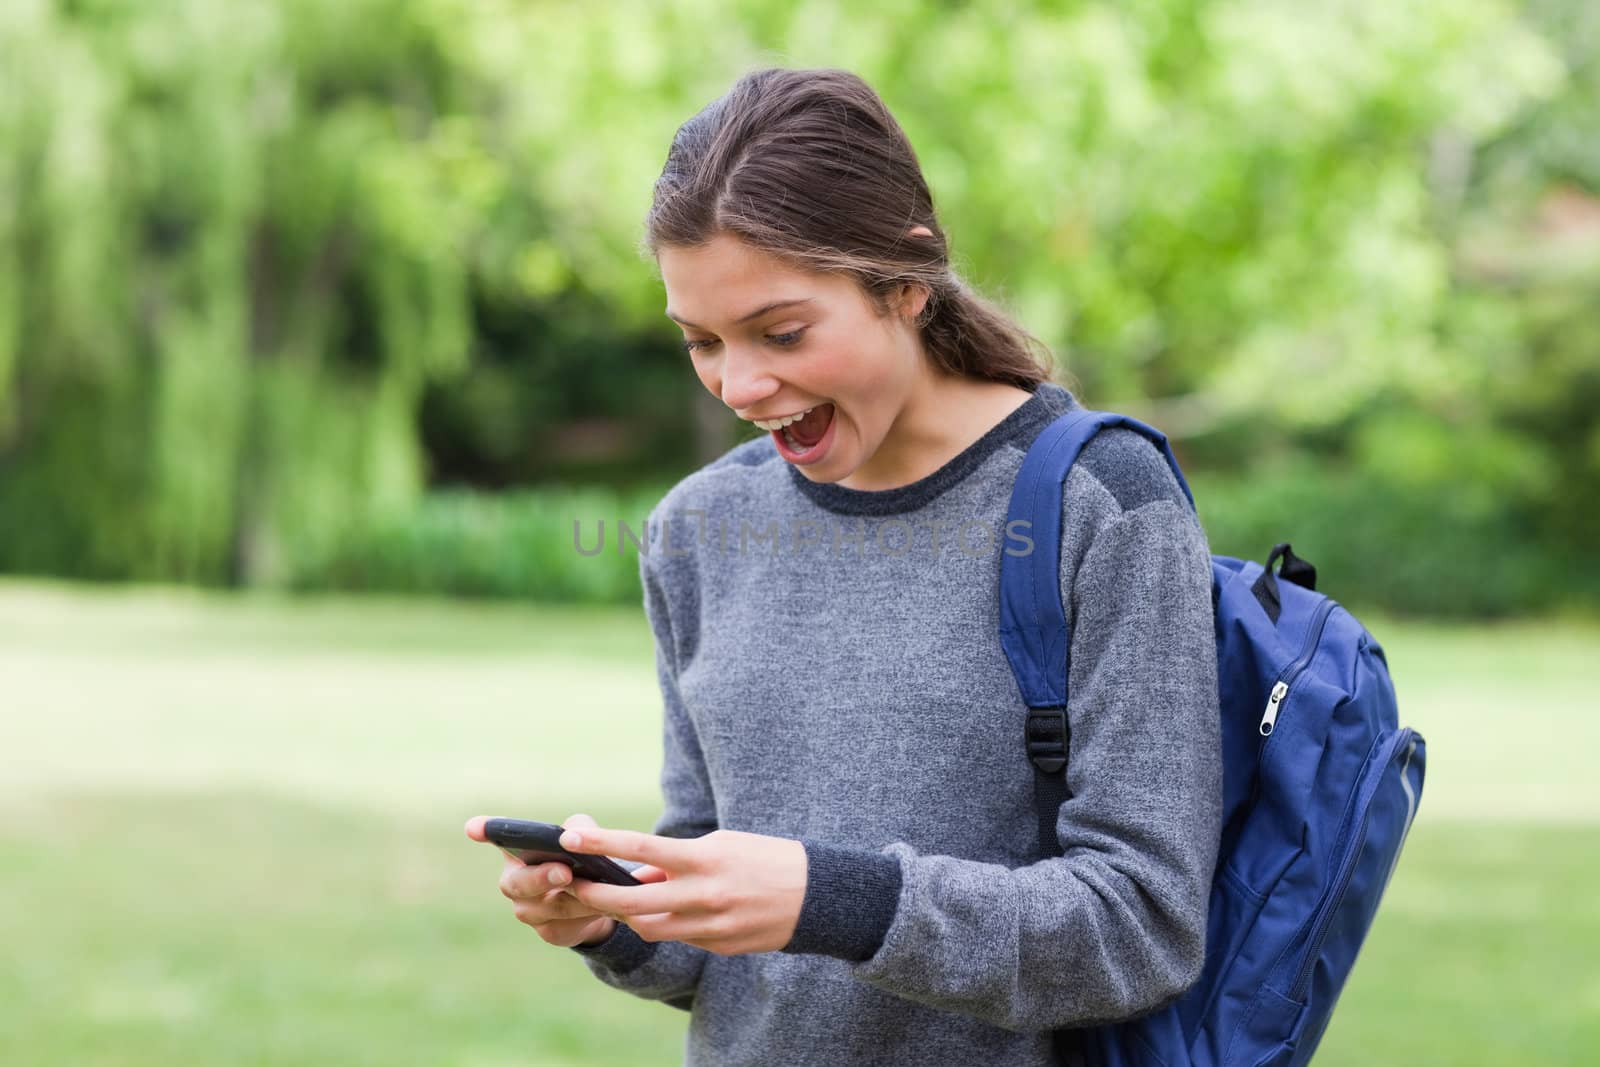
x=1529, y=286
x=1218, y=212
x=235, y=260
x=268, y=267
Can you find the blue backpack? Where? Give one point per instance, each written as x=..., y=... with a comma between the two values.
x=1320, y=782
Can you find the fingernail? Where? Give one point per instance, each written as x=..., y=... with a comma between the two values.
x=571, y=839
x=560, y=877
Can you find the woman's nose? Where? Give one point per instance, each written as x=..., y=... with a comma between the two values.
x=745, y=381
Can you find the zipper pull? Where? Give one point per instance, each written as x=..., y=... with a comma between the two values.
x=1272, y=708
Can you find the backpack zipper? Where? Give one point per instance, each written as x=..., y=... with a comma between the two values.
x=1352, y=852
x=1281, y=688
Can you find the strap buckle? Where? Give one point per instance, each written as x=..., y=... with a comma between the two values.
x=1045, y=735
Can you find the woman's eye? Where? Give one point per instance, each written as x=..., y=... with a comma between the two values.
x=782, y=340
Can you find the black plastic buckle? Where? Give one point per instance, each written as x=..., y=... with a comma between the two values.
x=1046, y=738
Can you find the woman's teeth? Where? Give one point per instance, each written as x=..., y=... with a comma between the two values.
x=778, y=424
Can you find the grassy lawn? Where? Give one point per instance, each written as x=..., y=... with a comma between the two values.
x=230, y=833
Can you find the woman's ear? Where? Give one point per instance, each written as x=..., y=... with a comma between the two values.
x=911, y=299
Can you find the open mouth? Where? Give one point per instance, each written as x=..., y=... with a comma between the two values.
x=807, y=440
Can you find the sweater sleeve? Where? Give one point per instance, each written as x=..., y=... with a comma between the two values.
x=1116, y=925
x=668, y=971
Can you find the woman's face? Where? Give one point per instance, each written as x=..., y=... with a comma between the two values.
x=824, y=349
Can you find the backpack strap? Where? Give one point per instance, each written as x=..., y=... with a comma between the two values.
x=1033, y=626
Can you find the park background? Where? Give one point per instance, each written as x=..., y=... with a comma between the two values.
x=322, y=323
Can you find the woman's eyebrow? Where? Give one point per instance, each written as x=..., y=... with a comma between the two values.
x=756, y=314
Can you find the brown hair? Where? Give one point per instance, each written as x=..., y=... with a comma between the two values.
x=809, y=166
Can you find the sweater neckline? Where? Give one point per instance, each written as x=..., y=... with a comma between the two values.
x=1048, y=401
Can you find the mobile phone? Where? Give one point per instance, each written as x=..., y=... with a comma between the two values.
x=540, y=842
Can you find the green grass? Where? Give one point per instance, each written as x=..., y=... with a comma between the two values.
x=230, y=833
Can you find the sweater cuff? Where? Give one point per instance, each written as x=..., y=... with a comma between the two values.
x=623, y=951
x=851, y=899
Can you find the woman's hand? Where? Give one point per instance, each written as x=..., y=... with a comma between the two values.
x=542, y=896
x=726, y=892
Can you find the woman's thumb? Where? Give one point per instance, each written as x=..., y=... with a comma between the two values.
x=580, y=820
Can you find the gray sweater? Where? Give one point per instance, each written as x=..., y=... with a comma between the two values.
x=831, y=672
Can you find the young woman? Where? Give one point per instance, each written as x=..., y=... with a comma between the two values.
x=848, y=867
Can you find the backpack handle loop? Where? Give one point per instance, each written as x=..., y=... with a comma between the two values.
x=1294, y=569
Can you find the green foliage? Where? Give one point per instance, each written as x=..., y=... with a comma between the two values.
x=1425, y=549
x=244, y=229
x=1407, y=545
x=270, y=269
x=1191, y=199
x=549, y=545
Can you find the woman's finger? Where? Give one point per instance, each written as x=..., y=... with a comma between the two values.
x=519, y=881
x=673, y=852
x=555, y=906
x=674, y=895
x=571, y=932
x=550, y=911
